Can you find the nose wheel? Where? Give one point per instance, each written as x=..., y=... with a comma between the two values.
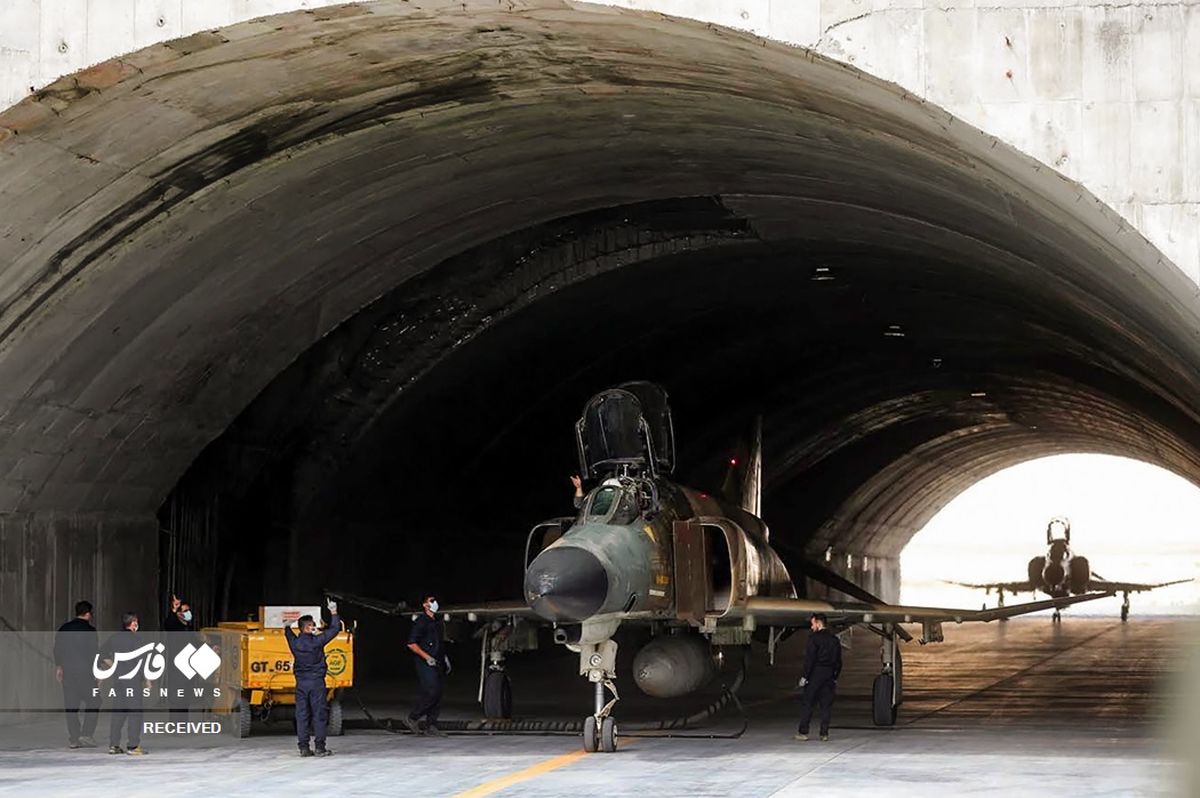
x=598, y=663
x=600, y=729
x=1056, y=617
x=1125, y=609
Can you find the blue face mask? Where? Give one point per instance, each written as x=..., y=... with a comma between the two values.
x=187, y=616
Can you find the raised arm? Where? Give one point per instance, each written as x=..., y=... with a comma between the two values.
x=331, y=631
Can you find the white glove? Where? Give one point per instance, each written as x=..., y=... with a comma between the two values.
x=803, y=682
x=447, y=661
x=431, y=662
x=332, y=605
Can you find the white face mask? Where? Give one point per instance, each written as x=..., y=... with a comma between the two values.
x=433, y=606
x=187, y=616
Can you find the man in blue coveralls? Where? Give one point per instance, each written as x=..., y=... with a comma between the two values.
x=308, y=651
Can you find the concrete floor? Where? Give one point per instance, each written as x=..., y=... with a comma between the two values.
x=997, y=710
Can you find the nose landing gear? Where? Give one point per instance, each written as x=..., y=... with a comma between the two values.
x=1125, y=608
x=598, y=662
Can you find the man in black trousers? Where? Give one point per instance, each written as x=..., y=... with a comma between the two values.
x=822, y=666
x=425, y=641
x=312, y=706
x=75, y=649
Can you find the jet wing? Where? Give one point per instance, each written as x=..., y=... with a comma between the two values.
x=486, y=610
x=1131, y=587
x=794, y=612
x=1011, y=587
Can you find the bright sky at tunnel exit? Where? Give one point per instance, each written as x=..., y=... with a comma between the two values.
x=1134, y=522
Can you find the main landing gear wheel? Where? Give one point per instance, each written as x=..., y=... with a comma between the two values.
x=608, y=736
x=497, y=696
x=1056, y=617
x=883, y=711
x=589, y=734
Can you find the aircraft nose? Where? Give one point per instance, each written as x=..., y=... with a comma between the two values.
x=566, y=583
x=1053, y=574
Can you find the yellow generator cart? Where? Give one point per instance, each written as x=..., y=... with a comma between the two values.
x=256, y=669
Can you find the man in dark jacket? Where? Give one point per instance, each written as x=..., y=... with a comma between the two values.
x=181, y=626
x=74, y=654
x=425, y=641
x=822, y=666
x=308, y=651
x=127, y=693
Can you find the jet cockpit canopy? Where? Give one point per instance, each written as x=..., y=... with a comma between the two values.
x=626, y=430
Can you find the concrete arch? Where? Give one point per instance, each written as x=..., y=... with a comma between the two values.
x=259, y=212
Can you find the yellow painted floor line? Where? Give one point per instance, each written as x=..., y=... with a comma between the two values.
x=533, y=771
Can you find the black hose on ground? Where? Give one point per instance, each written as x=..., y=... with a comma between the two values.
x=538, y=727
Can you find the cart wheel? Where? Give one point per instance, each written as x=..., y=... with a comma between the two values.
x=335, y=717
x=608, y=736
x=589, y=734
x=497, y=696
x=244, y=718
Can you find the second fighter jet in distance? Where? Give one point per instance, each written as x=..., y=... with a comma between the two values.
x=1061, y=573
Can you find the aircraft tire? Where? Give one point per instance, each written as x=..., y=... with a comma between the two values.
x=497, y=696
x=589, y=734
x=1124, y=614
x=883, y=711
x=608, y=736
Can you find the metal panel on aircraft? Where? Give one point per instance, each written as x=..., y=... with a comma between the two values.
x=691, y=572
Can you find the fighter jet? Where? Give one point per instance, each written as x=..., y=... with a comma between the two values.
x=697, y=569
x=1060, y=573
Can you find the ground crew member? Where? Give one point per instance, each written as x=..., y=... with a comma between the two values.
x=822, y=666
x=308, y=652
x=74, y=654
x=127, y=695
x=425, y=640
x=180, y=624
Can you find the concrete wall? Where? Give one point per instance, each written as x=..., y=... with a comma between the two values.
x=1108, y=93
x=48, y=562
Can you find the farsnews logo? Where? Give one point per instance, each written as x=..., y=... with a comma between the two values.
x=149, y=661
x=202, y=662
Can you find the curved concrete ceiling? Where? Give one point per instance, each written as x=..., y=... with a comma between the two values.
x=436, y=228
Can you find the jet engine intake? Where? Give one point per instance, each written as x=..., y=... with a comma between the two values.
x=1036, y=566
x=1081, y=575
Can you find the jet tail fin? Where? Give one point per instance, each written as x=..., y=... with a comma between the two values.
x=743, y=479
x=752, y=479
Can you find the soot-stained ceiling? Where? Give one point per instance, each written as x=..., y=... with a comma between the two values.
x=371, y=260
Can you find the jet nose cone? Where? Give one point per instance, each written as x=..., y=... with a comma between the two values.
x=566, y=583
